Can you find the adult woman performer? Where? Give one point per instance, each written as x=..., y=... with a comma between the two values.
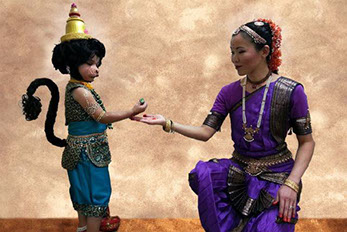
x=258, y=189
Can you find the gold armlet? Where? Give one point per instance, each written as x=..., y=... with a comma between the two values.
x=291, y=184
x=100, y=116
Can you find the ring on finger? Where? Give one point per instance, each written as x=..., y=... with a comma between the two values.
x=291, y=207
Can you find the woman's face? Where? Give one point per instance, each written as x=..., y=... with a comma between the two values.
x=244, y=55
x=90, y=69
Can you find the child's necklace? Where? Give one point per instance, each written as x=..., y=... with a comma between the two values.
x=86, y=84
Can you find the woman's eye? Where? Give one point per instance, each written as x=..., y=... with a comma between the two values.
x=241, y=51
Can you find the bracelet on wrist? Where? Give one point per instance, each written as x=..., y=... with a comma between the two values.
x=291, y=184
x=168, y=127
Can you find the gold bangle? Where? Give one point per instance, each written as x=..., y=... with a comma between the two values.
x=100, y=116
x=168, y=127
x=291, y=184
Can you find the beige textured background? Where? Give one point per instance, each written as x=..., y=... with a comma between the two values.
x=175, y=54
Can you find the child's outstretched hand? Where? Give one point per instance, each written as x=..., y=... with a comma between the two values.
x=139, y=107
x=151, y=119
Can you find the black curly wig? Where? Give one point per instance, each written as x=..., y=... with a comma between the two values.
x=69, y=55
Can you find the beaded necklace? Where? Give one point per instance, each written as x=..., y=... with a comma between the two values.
x=256, y=83
x=249, y=131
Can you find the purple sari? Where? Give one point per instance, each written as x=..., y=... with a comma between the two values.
x=210, y=180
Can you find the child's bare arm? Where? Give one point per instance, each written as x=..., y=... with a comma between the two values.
x=87, y=101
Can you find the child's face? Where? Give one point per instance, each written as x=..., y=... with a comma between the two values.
x=90, y=69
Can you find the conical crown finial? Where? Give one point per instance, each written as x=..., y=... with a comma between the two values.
x=75, y=27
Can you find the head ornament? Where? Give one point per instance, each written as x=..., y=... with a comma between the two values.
x=75, y=27
x=276, y=38
x=254, y=35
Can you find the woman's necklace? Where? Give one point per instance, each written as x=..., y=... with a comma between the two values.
x=249, y=131
x=256, y=83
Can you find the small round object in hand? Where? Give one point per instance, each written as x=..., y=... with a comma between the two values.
x=142, y=101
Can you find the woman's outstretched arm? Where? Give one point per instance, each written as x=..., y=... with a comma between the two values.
x=203, y=132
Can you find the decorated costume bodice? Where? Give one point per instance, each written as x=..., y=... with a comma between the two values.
x=285, y=107
x=85, y=134
x=74, y=112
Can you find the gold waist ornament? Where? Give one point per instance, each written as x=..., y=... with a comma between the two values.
x=255, y=166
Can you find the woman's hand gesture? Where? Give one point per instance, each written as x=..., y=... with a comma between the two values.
x=151, y=119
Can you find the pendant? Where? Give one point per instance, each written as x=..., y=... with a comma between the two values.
x=248, y=137
x=249, y=133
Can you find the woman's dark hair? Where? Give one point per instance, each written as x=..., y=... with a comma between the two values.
x=69, y=55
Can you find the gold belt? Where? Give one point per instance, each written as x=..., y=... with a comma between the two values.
x=255, y=166
x=85, y=140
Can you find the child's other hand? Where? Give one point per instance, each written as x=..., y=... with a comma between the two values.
x=151, y=119
x=138, y=108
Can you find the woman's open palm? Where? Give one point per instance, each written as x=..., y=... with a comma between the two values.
x=151, y=119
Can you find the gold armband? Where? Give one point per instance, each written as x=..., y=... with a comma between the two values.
x=100, y=116
x=291, y=184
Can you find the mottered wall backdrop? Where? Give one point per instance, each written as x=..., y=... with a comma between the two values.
x=176, y=55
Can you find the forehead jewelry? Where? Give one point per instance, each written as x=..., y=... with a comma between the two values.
x=254, y=35
x=249, y=131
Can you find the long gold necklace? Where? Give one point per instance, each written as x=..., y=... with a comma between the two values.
x=249, y=131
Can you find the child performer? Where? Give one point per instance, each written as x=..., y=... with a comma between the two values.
x=86, y=155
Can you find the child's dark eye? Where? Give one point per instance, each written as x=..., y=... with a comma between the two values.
x=241, y=51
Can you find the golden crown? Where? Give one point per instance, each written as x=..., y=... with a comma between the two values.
x=75, y=27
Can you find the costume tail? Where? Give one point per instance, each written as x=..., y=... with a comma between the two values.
x=32, y=108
